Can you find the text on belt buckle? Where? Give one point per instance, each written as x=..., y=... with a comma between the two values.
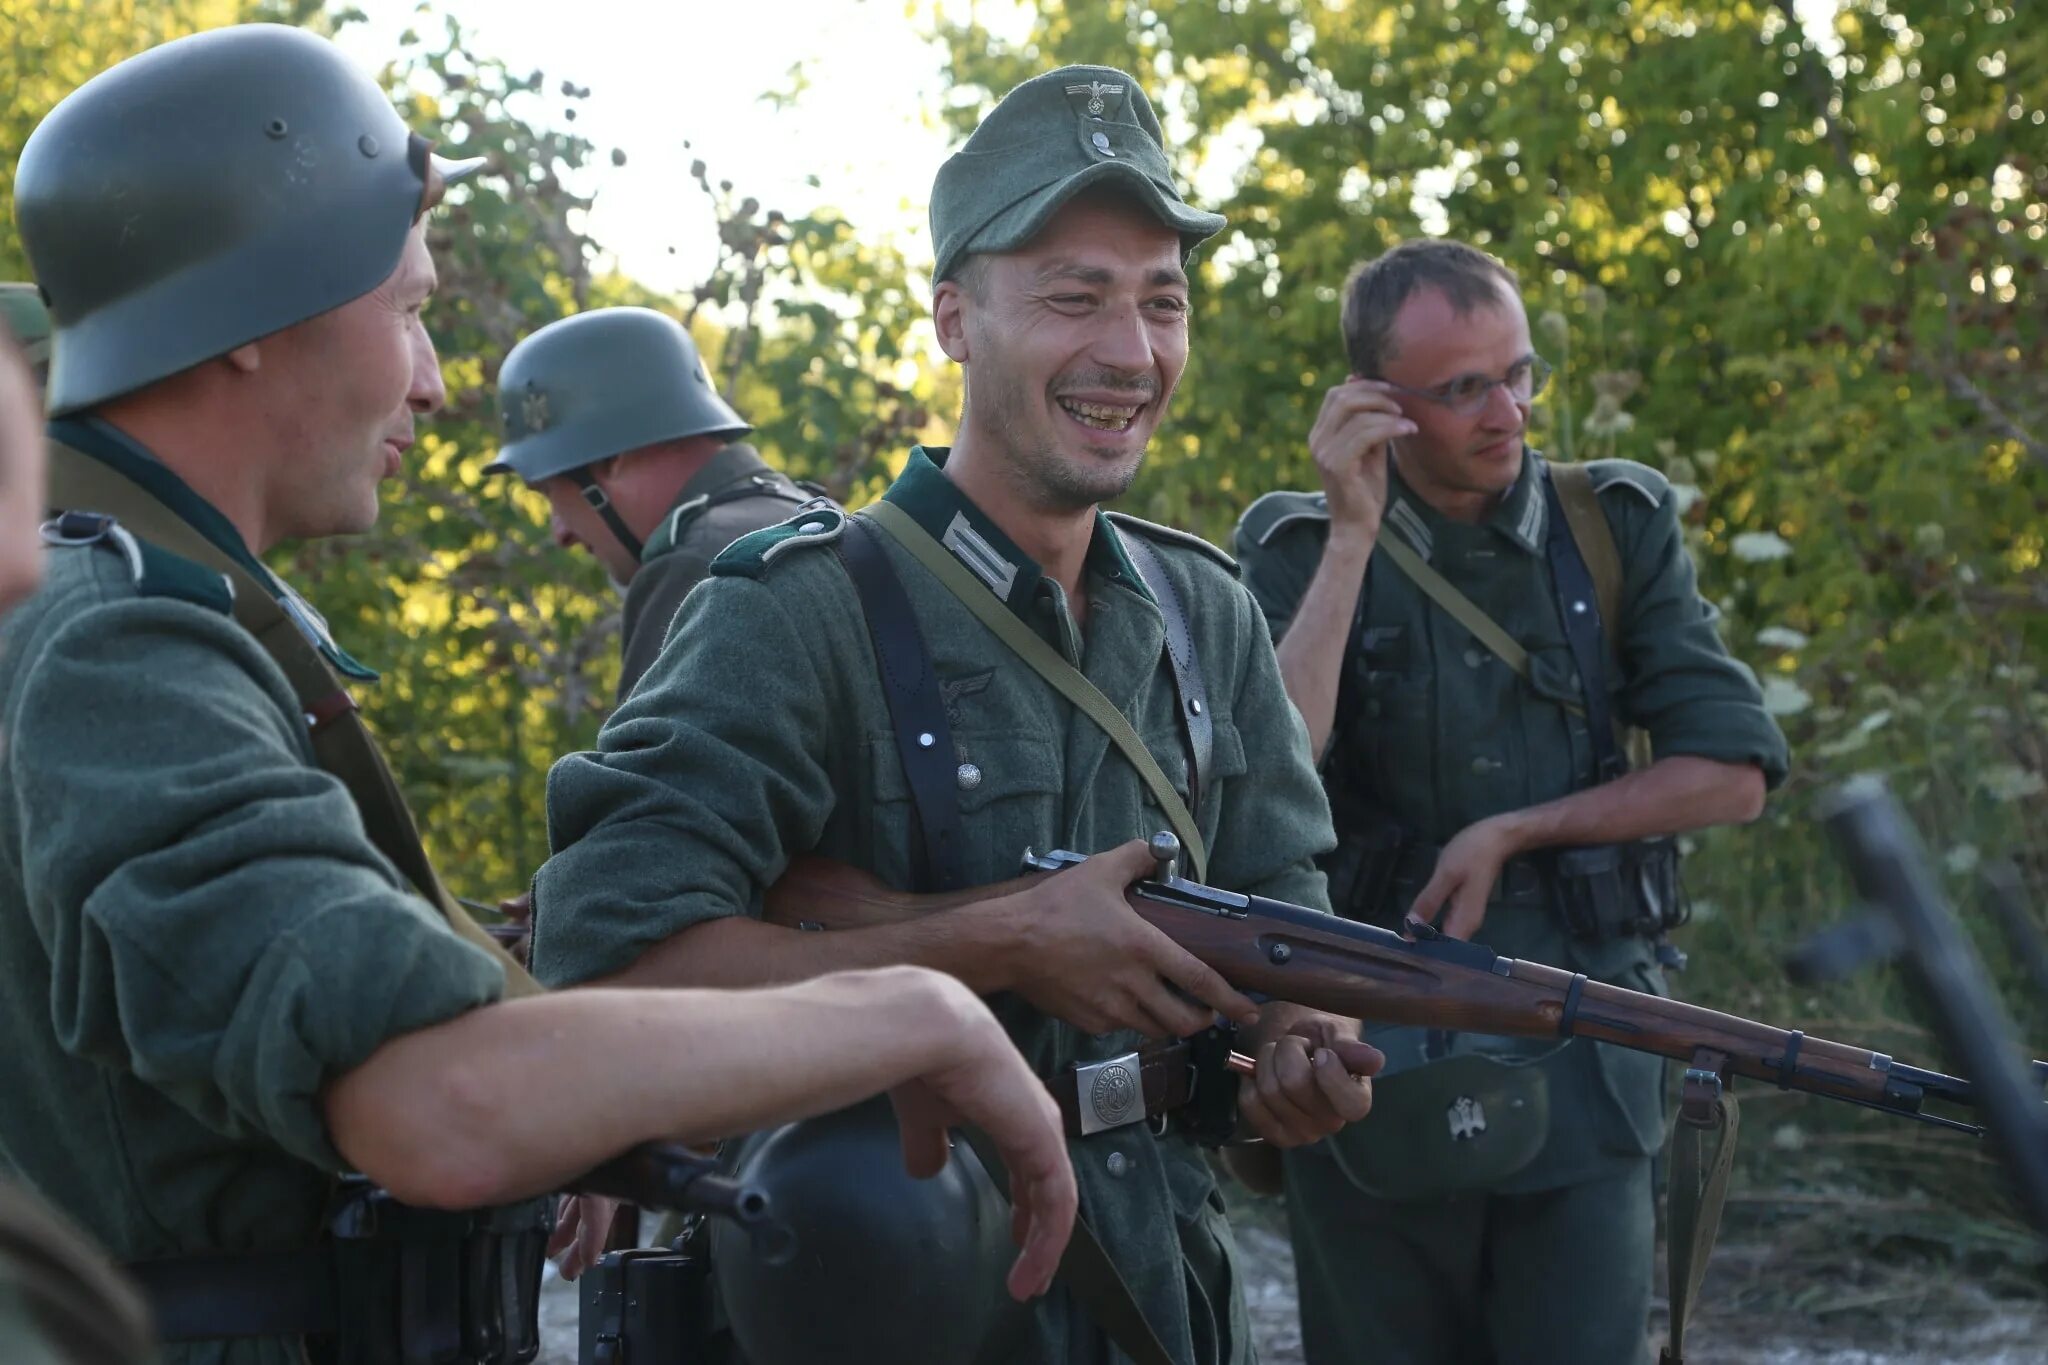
x=1109, y=1093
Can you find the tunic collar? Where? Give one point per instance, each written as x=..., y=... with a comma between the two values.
x=952, y=519
x=98, y=439
x=1522, y=516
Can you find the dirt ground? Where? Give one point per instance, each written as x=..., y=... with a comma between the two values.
x=1840, y=1318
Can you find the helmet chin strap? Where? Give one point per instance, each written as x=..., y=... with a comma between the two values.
x=601, y=503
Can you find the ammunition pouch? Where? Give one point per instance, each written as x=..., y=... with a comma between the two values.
x=390, y=1285
x=1371, y=847
x=1609, y=891
x=1210, y=1115
x=651, y=1305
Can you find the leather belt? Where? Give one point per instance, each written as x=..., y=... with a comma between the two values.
x=1126, y=1089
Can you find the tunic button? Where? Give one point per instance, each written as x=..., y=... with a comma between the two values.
x=1473, y=658
x=1372, y=706
x=1118, y=1164
x=1482, y=766
x=970, y=776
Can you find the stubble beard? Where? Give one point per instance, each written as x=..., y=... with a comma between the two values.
x=1051, y=479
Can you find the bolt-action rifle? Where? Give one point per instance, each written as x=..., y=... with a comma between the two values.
x=1287, y=952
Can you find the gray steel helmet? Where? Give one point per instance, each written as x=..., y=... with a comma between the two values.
x=23, y=317
x=601, y=383
x=206, y=193
x=886, y=1267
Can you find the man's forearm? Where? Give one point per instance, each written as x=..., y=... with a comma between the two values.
x=515, y=1099
x=1670, y=796
x=974, y=945
x=1311, y=653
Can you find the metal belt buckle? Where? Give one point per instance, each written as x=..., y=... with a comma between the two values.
x=1109, y=1093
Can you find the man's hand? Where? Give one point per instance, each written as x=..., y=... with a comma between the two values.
x=582, y=1222
x=1313, y=1077
x=988, y=1085
x=1084, y=956
x=1465, y=873
x=1349, y=442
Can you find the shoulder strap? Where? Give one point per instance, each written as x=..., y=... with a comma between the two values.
x=917, y=712
x=1197, y=727
x=1045, y=661
x=1579, y=608
x=1462, y=609
x=1595, y=539
x=1593, y=535
x=341, y=743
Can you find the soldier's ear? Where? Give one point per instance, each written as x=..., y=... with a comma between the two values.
x=950, y=303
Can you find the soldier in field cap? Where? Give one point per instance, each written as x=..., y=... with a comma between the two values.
x=777, y=723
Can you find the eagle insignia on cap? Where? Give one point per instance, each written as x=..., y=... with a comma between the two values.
x=533, y=410
x=1095, y=90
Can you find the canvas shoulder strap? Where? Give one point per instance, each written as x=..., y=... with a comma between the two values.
x=1045, y=661
x=341, y=742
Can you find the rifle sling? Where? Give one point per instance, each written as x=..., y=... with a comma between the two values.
x=1088, y=1273
x=1045, y=661
x=341, y=743
x=1702, y=1154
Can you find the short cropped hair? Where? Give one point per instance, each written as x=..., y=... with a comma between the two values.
x=1376, y=289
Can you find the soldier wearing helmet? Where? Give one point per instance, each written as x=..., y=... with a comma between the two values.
x=611, y=415
x=228, y=970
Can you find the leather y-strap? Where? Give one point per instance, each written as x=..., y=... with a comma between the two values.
x=1197, y=727
x=1088, y=1273
x=1046, y=662
x=341, y=743
x=1579, y=608
x=1595, y=540
x=917, y=711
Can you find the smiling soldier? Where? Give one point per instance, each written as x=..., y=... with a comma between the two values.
x=766, y=729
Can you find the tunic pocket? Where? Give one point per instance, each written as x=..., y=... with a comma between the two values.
x=1008, y=788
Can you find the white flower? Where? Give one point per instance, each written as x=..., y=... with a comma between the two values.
x=1781, y=637
x=1683, y=496
x=1929, y=536
x=1783, y=697
x=1962, y=860
x=2011, y=782
x=1758, y=547
x=1555, y=330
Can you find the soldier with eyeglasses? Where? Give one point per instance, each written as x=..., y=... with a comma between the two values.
x=1517, y=696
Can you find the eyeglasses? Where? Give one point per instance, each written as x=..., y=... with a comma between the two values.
x=1468, y=393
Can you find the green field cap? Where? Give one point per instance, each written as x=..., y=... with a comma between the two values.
x=1051, y=138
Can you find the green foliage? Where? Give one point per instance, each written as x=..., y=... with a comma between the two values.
x=500, y=652
x=1798, y=272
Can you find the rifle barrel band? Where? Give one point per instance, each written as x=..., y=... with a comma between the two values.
x=1789, y=1067
x=1570, y=1014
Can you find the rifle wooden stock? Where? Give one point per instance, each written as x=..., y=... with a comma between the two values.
x=1287, y=952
